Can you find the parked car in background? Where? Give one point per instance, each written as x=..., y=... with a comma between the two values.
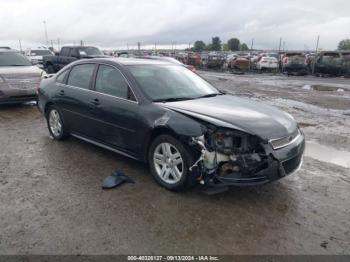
x=68, y=54
x=19, y=79
x=238, y=63
x=170, y=60
x=329, y=63
x=294, y=63
x=193, y=59
x=163, y=114
x=36, y=55
x=267, y=63
x=213, y=60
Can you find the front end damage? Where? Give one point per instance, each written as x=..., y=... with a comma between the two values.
x=234, y=158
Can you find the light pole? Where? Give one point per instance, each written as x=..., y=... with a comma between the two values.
x=314, y=63
x=46, y=36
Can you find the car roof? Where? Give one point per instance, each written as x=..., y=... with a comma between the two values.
x=78, y=46
x=130, y=61
x=160, y=58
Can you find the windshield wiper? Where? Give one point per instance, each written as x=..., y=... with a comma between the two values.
x=172, y=99
x=210, y=95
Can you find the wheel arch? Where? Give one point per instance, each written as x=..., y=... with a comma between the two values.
x=47, y=106
x=160, y=130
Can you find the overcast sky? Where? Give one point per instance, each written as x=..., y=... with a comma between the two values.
x=114, y=23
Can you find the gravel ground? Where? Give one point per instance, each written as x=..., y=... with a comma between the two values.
x=52, y=203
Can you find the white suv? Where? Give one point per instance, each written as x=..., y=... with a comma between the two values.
x=36, y=55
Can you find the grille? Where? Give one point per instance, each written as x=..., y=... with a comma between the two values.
x=292, y=164
x=22, y=82
x=284, y=141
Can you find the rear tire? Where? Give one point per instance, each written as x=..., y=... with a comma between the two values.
x=169, y=162
x=55, y=123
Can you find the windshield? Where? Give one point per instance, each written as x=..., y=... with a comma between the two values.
x=171, y=60
x=40, y=52
x=171, y=82
x=90, y=51
x=13, y=59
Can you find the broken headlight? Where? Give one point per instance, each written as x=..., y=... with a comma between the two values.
x=225, y=141
x=232, y=141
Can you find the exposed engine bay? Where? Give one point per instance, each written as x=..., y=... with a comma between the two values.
x=229, y=154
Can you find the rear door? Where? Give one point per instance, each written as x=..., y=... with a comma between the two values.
x=116, y=114
x=76, y=99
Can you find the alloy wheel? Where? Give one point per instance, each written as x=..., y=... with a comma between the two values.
x=168, y=163
x=55, y=123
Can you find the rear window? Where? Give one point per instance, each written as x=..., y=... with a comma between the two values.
x=331, y=54
x=294, y=54
x=269, y=59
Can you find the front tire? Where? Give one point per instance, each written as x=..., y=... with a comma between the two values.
x=55, y=123
x=169, y=162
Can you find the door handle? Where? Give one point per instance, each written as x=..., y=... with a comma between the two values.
x=95, y=101
x=61, y=92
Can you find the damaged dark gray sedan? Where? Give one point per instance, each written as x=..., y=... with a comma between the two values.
x=166, y=115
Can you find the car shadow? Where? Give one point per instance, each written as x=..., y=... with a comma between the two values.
x=105, y=162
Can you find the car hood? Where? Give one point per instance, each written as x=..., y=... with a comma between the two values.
x=31, y=71
x=246, y=115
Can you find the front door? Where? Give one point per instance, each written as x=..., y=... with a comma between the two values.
x=116, y=112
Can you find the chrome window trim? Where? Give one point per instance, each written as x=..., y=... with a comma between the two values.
x=93, y=91
x=290, y=142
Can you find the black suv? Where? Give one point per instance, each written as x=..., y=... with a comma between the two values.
x=68, y=54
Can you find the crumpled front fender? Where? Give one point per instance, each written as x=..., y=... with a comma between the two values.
x=180, y=124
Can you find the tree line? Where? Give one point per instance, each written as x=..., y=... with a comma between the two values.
x=344, y=44
x=232, y=44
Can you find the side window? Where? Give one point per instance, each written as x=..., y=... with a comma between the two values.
x=64, y=51
x=111, y=82
x=80, y=75
x=61, y=77
x=73, y=52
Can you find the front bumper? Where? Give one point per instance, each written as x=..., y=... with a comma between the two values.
x=280, y=163
x=15, y=96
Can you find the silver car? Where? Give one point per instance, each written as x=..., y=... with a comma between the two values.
x=19, y=79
